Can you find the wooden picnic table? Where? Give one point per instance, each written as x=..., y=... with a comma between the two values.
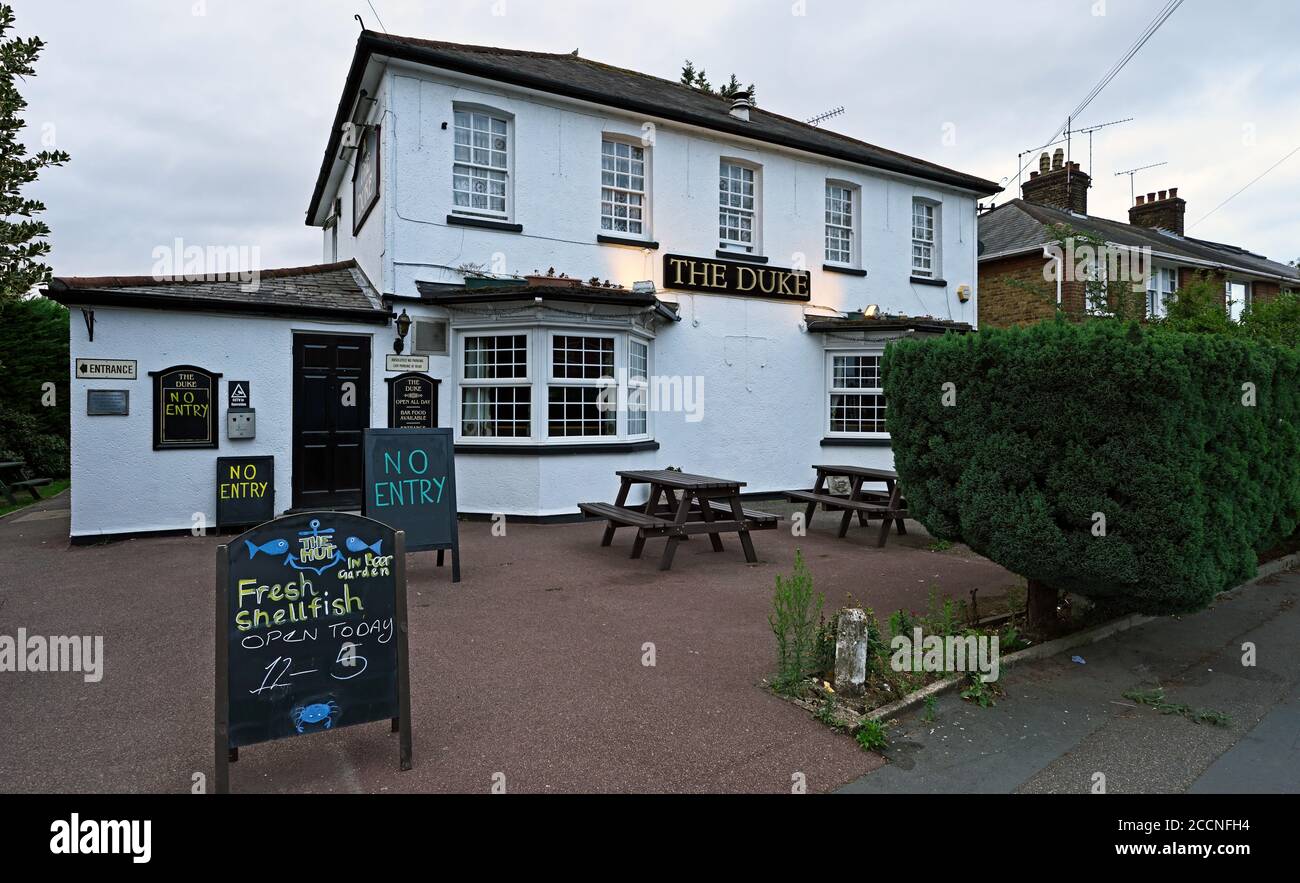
x=888, y=505
x=8, y=485
x=680, y=505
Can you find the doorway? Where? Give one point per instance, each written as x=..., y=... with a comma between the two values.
x=331, y=408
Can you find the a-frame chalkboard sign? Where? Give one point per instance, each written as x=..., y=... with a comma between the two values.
x=410, y=484
x=311, y=633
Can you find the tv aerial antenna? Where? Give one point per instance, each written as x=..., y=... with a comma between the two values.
x=826, y=115
x=1132, y=196
x=1088, y=130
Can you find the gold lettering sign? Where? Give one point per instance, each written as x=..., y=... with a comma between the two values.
x=718, y=276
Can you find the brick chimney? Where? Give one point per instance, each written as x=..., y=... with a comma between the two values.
x=1058, y=183
x=1164, y=209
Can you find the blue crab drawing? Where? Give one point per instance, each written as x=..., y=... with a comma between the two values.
x=316, y=713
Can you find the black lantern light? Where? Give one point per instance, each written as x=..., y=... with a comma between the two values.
x=403, y=328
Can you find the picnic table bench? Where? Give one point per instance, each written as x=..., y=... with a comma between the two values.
x=7, y=486
x=680, y=505
x=888, y=505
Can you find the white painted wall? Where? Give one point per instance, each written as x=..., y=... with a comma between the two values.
x=764, y=375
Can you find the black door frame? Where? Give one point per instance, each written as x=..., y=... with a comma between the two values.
x=295, y=484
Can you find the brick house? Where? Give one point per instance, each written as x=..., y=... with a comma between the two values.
x=1022, y=278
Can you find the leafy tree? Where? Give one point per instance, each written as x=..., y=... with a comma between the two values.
x=34, y=406
x=23, y=237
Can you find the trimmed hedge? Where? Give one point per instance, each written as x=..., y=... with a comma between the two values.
x=1058, y=421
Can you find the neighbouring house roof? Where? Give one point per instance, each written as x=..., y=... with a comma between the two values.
x=440, y=295
x=338, y=290
x=1018, y=227
x=572, y=76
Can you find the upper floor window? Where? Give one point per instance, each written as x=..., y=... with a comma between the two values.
x=839, y=223
x=622, y=188
x=481, y=173
x=925, y=253
x=1162, y=282
x=737, y=206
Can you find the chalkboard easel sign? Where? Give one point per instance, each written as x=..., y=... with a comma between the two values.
x=184, y=408
x=311, y=633
x=245, y=491
x=410, y=484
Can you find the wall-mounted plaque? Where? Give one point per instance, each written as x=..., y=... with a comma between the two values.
x=714, y=276
x=184, y=408
x=108, y=402
x=412, y=401
x=394, y=362
x=238, y=396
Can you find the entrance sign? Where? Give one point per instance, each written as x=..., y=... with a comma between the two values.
x=245, y=490
x=412, y=401
x=311, y=632
x=184, y=408
x=411, y=485
x=714, y=276
x=394, y=362
x=106, y=369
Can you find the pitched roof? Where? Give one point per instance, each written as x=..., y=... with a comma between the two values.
x=338, y=290
x=1018, y=226
x=572, y=76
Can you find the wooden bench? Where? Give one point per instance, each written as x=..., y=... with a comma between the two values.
x=622, y=516
x=27, y=484
x=755, y=519
x=888, y=506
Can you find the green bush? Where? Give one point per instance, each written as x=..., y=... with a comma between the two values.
x=33, y=353
x=1058, y=421
x=795, y=620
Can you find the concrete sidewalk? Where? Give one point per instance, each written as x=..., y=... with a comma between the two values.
x=531, y=667
x=1060, y=722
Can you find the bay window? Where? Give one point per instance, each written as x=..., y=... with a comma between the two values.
x=586, y=385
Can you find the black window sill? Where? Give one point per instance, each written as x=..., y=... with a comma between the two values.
x=741, y=256
x=630, y=243
x=484, y=224
x=921, y=280
x=856, y=443
x=847, y=271
x=535, y=450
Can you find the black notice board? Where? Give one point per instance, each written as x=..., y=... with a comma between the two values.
x=311, y=632
x=184, y=408
x=410, y=484
x=245, y=490
x=412, y=401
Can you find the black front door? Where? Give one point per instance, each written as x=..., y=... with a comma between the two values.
x=331, y=406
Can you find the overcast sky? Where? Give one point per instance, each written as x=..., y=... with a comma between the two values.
x=210, y=127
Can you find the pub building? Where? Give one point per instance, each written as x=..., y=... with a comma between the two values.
x=577, y=268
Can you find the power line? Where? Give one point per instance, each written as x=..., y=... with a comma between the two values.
x=1248, y=186
x=377, y=18
x=1161, y=17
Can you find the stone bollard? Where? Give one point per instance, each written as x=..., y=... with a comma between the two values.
x=851, y=653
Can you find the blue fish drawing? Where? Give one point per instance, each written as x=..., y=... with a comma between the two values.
x=275, y=547
x=358, y=545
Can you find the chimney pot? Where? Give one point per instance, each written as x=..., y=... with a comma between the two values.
x=1044, y=162
x=1058, y=157
x=740, y=108
x=1173, y=192
x=1163, y=194
x=1151, y=197
x=1141, y=200
x=1033, y=175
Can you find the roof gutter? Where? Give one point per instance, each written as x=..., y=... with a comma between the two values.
x=90, y=297
x=369, y=43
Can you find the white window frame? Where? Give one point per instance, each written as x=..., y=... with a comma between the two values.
x=726, y=208
x=1162, y=283
x=464, y=383
x=933, y=243
x=640, y=385
x=1247, y=296
x=581, y=383
x=645, y=192
x=832, y=390
x=540, y=380
x=854, y=195
x=493, y=116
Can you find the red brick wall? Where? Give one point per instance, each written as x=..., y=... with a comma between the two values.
x=1263, y=292
x=1012, y=291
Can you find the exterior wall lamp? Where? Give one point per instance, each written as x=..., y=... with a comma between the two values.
x=403, y=329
